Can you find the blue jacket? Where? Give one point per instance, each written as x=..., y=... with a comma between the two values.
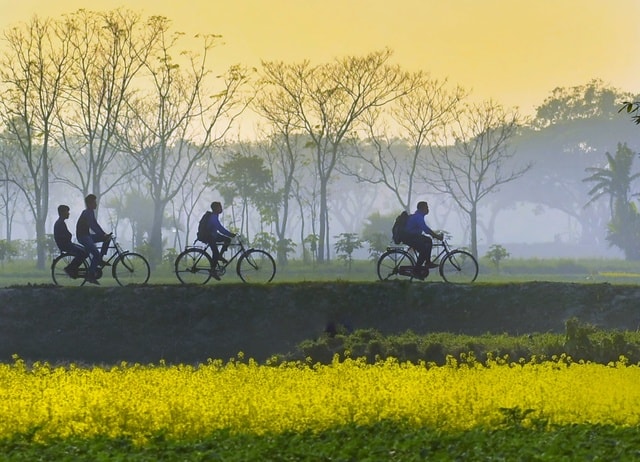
x=416, y=224
x=216, y=227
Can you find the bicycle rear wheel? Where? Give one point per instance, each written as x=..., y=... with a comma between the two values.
x=193, y=266
x=59, y=275
x=390, y=262
x=256, y=266
x=131, y=268
x=459, y=267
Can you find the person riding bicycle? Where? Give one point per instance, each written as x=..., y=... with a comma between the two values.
x=217, y=233
x=88, y=232
x=62, y=236
x=417, y=235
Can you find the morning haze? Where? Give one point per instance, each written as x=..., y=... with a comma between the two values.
x=528, y=91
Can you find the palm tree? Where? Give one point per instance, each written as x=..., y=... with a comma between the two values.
x=613, y=180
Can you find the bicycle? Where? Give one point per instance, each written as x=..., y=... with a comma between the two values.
x=195, y=264
x=126, y=268
x=454, y=265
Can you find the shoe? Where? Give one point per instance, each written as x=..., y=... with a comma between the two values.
x=420, y=272
x=72, y=273
x=432, y=265
x=223, y=260
x=214, y=275
x=93, y=281
x=104, y=263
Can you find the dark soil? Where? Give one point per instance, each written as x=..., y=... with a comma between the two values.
x=174, y=323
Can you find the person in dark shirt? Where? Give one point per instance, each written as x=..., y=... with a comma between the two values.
x=88, y=232
x=417, y=234
x=62, y=236
x=218, y=233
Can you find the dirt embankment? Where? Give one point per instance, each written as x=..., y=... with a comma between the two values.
x=191, y=324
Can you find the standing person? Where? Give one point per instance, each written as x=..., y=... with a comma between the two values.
x=417, y=235
x=62, y=236
x=218, y=233
x=88, y=232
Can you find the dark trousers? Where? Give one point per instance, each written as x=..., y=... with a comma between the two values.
x=422, y=244
x=89, y=243
x=218, y=238
x=78, y=253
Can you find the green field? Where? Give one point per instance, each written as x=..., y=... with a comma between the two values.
x=513, y=270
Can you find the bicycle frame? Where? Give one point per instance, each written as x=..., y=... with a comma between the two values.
x=207, y=248
x=253, y=265
x=454, y=265
x=126, y=267
x=445, y=250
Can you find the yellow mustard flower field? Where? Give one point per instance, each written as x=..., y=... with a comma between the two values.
x=183, y=402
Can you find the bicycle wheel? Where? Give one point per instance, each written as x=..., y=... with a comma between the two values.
x=193, y=266
x=390, y=263
x=459, y=267
x=61, y=278
x=256, y=266
x=131, y=268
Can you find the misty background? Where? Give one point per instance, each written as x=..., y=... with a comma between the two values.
x=301, y=154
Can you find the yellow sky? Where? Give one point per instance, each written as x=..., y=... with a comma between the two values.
x=513, y=51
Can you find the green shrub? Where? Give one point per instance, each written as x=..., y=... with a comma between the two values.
x=580, y=342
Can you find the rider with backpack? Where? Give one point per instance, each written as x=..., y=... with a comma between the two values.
x=417, y=235
x=211, y=231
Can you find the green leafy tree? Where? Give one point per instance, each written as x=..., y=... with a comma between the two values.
x=345, y=245
x=8, y=249
x=496, y=254
x=264, y=241
x=312, y=241
x=285, y=247
x=244, y=177
x=593, y=100
x=624, y=229
x=377, y=233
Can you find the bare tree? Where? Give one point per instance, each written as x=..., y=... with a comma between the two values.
x=326, y=101
x=171, y=128
x=473, y=162
x=8, y=190
x=285, y=154
x=395, y=138
x=109, y=50
x=33, y=69
x=190, y=194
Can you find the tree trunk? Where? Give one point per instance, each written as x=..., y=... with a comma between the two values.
x=155, y=237
x=322, y=221
x=474, y=230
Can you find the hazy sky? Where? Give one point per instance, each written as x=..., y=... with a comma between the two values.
x=513, y=51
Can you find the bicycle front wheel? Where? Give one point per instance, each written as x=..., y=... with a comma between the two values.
x=60, y=276
x=256, y=266
x=459, y=267
x=193, y=266
x=131, y=269
x=390, y=263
